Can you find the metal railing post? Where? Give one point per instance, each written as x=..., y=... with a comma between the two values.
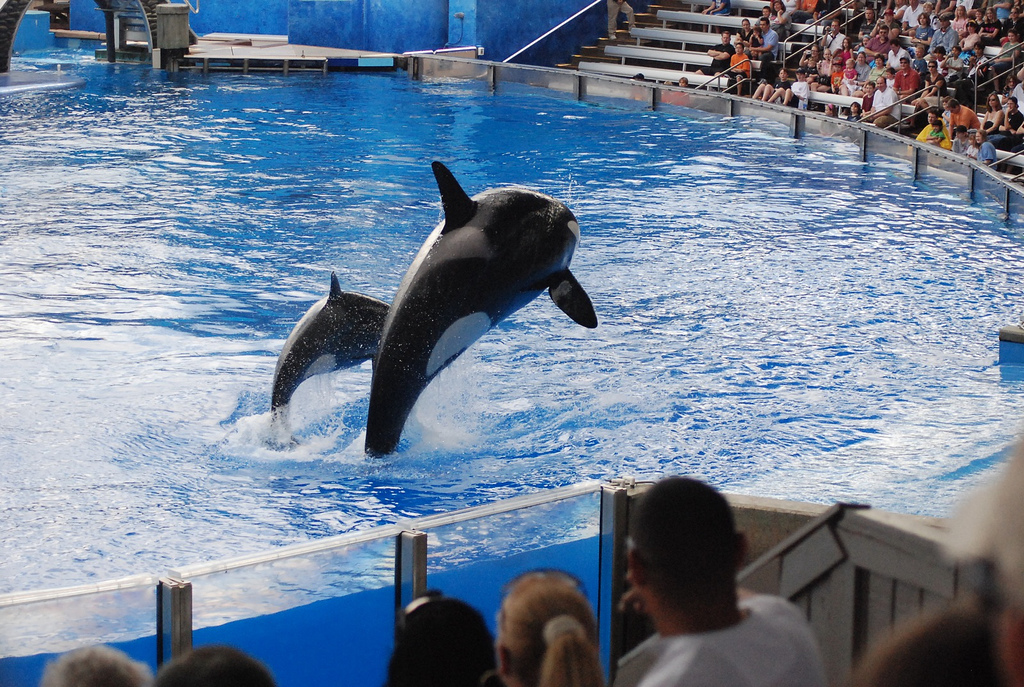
x=410, y=568
x=615, y=635
x=173, y=619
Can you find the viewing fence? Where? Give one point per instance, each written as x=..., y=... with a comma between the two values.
x=980, y=183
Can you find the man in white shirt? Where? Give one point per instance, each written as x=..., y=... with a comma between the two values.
x=683, y=556
x=881, y=105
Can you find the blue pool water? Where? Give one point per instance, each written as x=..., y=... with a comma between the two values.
x=776, y=317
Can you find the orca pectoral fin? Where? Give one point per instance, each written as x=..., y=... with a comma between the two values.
x=570, y=297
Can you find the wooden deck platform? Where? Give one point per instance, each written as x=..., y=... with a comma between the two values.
x=261, y=53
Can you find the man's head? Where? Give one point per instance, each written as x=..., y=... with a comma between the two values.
x=684, y=539
x=764, y=23
x=905, y=65
x=950, y=103
x=934, y=116
x=881, y=84
x=835, y=26
x=212, y=666
x=1012, y=105
x=988, y=529
x=961, y=132
x=726, y=37
x=944, y=21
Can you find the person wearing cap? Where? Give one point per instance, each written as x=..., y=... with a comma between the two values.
x=987, y=535
x=682, y=558
x=945, y=36
x=908, y=81
x=961, y=140
x=890, y=19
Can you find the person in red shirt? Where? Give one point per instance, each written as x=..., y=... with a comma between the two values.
x=908, y=81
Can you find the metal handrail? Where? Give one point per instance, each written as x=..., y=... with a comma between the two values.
x=989, y=60
x=194, y=10
x=537, y=40
x=816, y=23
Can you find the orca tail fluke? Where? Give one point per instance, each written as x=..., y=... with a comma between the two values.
x=571, y=299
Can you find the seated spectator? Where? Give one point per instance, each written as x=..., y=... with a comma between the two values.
x=972, y=40
x=936, y=133
x=214, y=666
x=547, y=635
x=1009, y=53
x=781, y=21
x=683, y=556
x=960, y=20
x=719, y=8
x=907, y=82
x=953, y=648
x=945, y=37
x=765, y=91
x=878, y=44
x=811, y=57
x=923, y=32
x=994, y=115
x=97, y=666
x=986, y=152
x=961, y=140
x=867, y=100
x=833, y=38
x=845, y=50
x=721, y=55
x=881, y=105
x=739, y=69
x=767, y=52
x=860, y=63
x=1009, y=133
x=855, y=112
x=801, y=89
x=440, y=642
x=960, y=114
x=850, y=84
x=745, y=30
x=782, y=92
x=877, y=68
x=991, y=28
x=896, y=50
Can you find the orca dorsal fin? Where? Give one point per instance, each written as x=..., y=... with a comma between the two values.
x=571, y=299
x=335, y=288
x=458, y=207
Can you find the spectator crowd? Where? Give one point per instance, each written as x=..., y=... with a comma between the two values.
x=683, y=555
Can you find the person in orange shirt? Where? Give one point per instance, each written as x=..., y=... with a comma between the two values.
x=960, y=115
x=739, y=68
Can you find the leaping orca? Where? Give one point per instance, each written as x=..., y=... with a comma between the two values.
x=490, y=255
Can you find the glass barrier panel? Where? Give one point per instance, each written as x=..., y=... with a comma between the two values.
x=563, y=81
x=437, y=68
x=936, y=166
x=624, y=94
x=311, y=617
x=988, y=190
x=35, y=628
x=474, y=559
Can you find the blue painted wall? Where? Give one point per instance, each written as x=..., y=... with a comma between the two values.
x=85, y=16
x=381, y=25
x=215, y=16
x=33, y=33
x=232, y=16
